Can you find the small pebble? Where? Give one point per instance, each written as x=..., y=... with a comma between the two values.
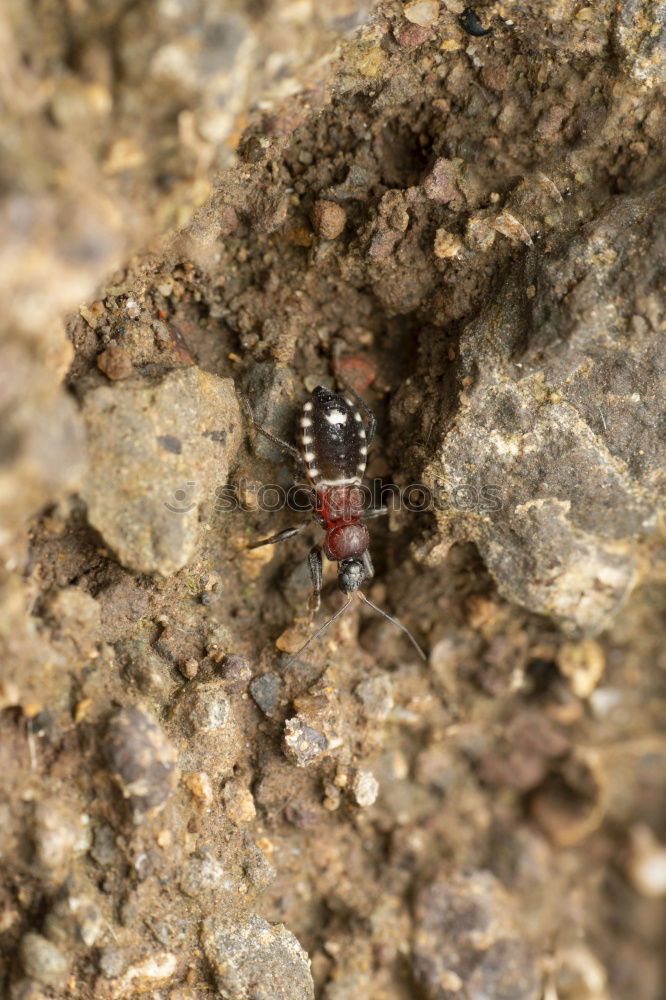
x=328, y=219
x=365, y=788
x=302, y=744
x=189, y=668
x=251, y=958
x=647, y=863
x=115, y=362
x=112, y=962
x=201, y=875
x=236, y=673
x=422, y=12
x=200, y=786
x=376, y=697
x=265, y=691
x=239, y=802
x=291, y=640
x=583, y=664
x=142, y=761
x=59, y=832
x=447, y=246
x=41, y=960
x=409, y=36
x=206, y=708
x=357, y=372
x=145, y=975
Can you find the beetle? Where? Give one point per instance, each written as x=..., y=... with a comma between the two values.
x=334, y=442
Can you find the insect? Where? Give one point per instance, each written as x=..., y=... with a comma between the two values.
x=471, y=24
x=334, y=443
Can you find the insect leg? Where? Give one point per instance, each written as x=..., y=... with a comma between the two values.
x=316, y=575
x=294, y=452
x=375, y=512
x=280, y=537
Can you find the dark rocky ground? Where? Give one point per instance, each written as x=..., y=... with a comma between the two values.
x=471, y=229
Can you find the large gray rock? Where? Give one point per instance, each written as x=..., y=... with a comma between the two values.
x=252, y=958
x=562, y=412
x=156, y=453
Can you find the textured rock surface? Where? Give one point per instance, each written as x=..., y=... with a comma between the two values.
x=466, y=945
x=561, y=414
x=249, y=957
x=155, y=457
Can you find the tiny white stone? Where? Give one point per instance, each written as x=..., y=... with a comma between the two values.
x=365, y=788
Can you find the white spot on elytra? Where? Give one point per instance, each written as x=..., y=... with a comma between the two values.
x=306, y=422
x=363, y=450
x=307, y=439
x=361, y=432
x=357, y=416
x=308, y=406
x=309, y=456
x=336, y=417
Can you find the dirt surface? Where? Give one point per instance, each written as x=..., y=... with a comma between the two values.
x=462, y=213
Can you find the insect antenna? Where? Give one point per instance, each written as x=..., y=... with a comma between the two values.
x=402, y=628
x=319, y=631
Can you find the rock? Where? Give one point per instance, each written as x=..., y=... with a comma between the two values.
x=365, y=788
x=421, y=12
x=555, y=452
x=646, y=864
x=328, y=219
x=202, y=875
x=143, y=667
x=583, y=664
x=142, y=761
x=272, y=395
x=441, y=184
x=115, y=362
x=156, y=453
x=265, y=691
x=250, y=957
x=41, y=960
x=148, y=974
x=466, y=945
x=206, y=709
x=236, y=673
x=376, y=696
x=75, y=916
x=640, y=35
x=239, y=802
x=205, y=715
x=59, y=833
x=302, y=744
x=42, y=455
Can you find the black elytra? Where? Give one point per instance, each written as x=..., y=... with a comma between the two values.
x=333, y=439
